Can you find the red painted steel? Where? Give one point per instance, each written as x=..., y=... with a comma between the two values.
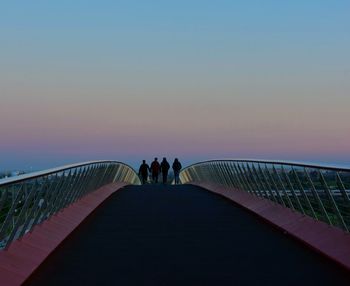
x=25, y=255
x=330, y=241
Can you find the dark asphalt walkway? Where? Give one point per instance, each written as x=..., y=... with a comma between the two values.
x=181, y=235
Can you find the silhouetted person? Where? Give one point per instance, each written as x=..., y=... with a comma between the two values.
x=143, y=171
x=164, y=169
x=155, y=168
x=177, y=168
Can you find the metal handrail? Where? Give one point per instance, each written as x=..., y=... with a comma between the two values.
x=322, y=192
x=279, y=162
x=33, y=175
x=28, y=200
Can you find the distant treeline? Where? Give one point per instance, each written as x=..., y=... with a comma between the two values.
x=6, y=174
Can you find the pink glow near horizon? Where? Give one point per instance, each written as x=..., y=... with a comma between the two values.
x=177, y=128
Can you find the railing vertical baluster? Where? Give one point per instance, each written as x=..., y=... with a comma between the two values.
x=111, y=171
x=98, y=176
x=83, y=184
x=246, y=179
x=206, y=173
x=189, y=175
x=255, y=183
x=77, y=185
x=59, y=193
x=10, y=214
x=116, y=174
x=55, y=196
x=69, y=190
x=289, y=202
x=332, y=201
x=92, y=176
x=296, y=198
x=342, y=188
x=199, y=173
x=213, y=172
x=63, y=191
x=251, y=181
x=231, y=177
x=21, y=215
x=302, y=190
x=316, y=197
x=266, y=185
x=218, y=174
x=224, y=175
x=271, y=179
x=259, y=182
x=46, y=201
x=242, y=179
x=235, y=176
x=35, y=206
x=72, y=189
x=4, y=196
x=89, y=174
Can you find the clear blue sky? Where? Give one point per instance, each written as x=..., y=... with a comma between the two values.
x=83, y=80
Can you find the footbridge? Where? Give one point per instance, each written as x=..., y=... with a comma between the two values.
x=230, y=222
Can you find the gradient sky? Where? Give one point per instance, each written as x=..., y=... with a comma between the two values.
x=127, y=80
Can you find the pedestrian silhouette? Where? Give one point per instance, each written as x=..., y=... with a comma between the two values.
x=143, y=172
x=164, y=169
x=177, y=168
x=155, y=168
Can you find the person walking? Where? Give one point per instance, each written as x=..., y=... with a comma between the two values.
x=177, y=168
x=143, y=172
x=155, y=168
x=164, y=169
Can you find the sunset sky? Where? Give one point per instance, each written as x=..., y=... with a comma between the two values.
x=127, y=80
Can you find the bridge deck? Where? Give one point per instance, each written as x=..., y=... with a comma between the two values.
x=181, y=235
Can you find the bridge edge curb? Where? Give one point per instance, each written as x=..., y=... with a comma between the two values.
x=329, y=241
x=24, y=256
